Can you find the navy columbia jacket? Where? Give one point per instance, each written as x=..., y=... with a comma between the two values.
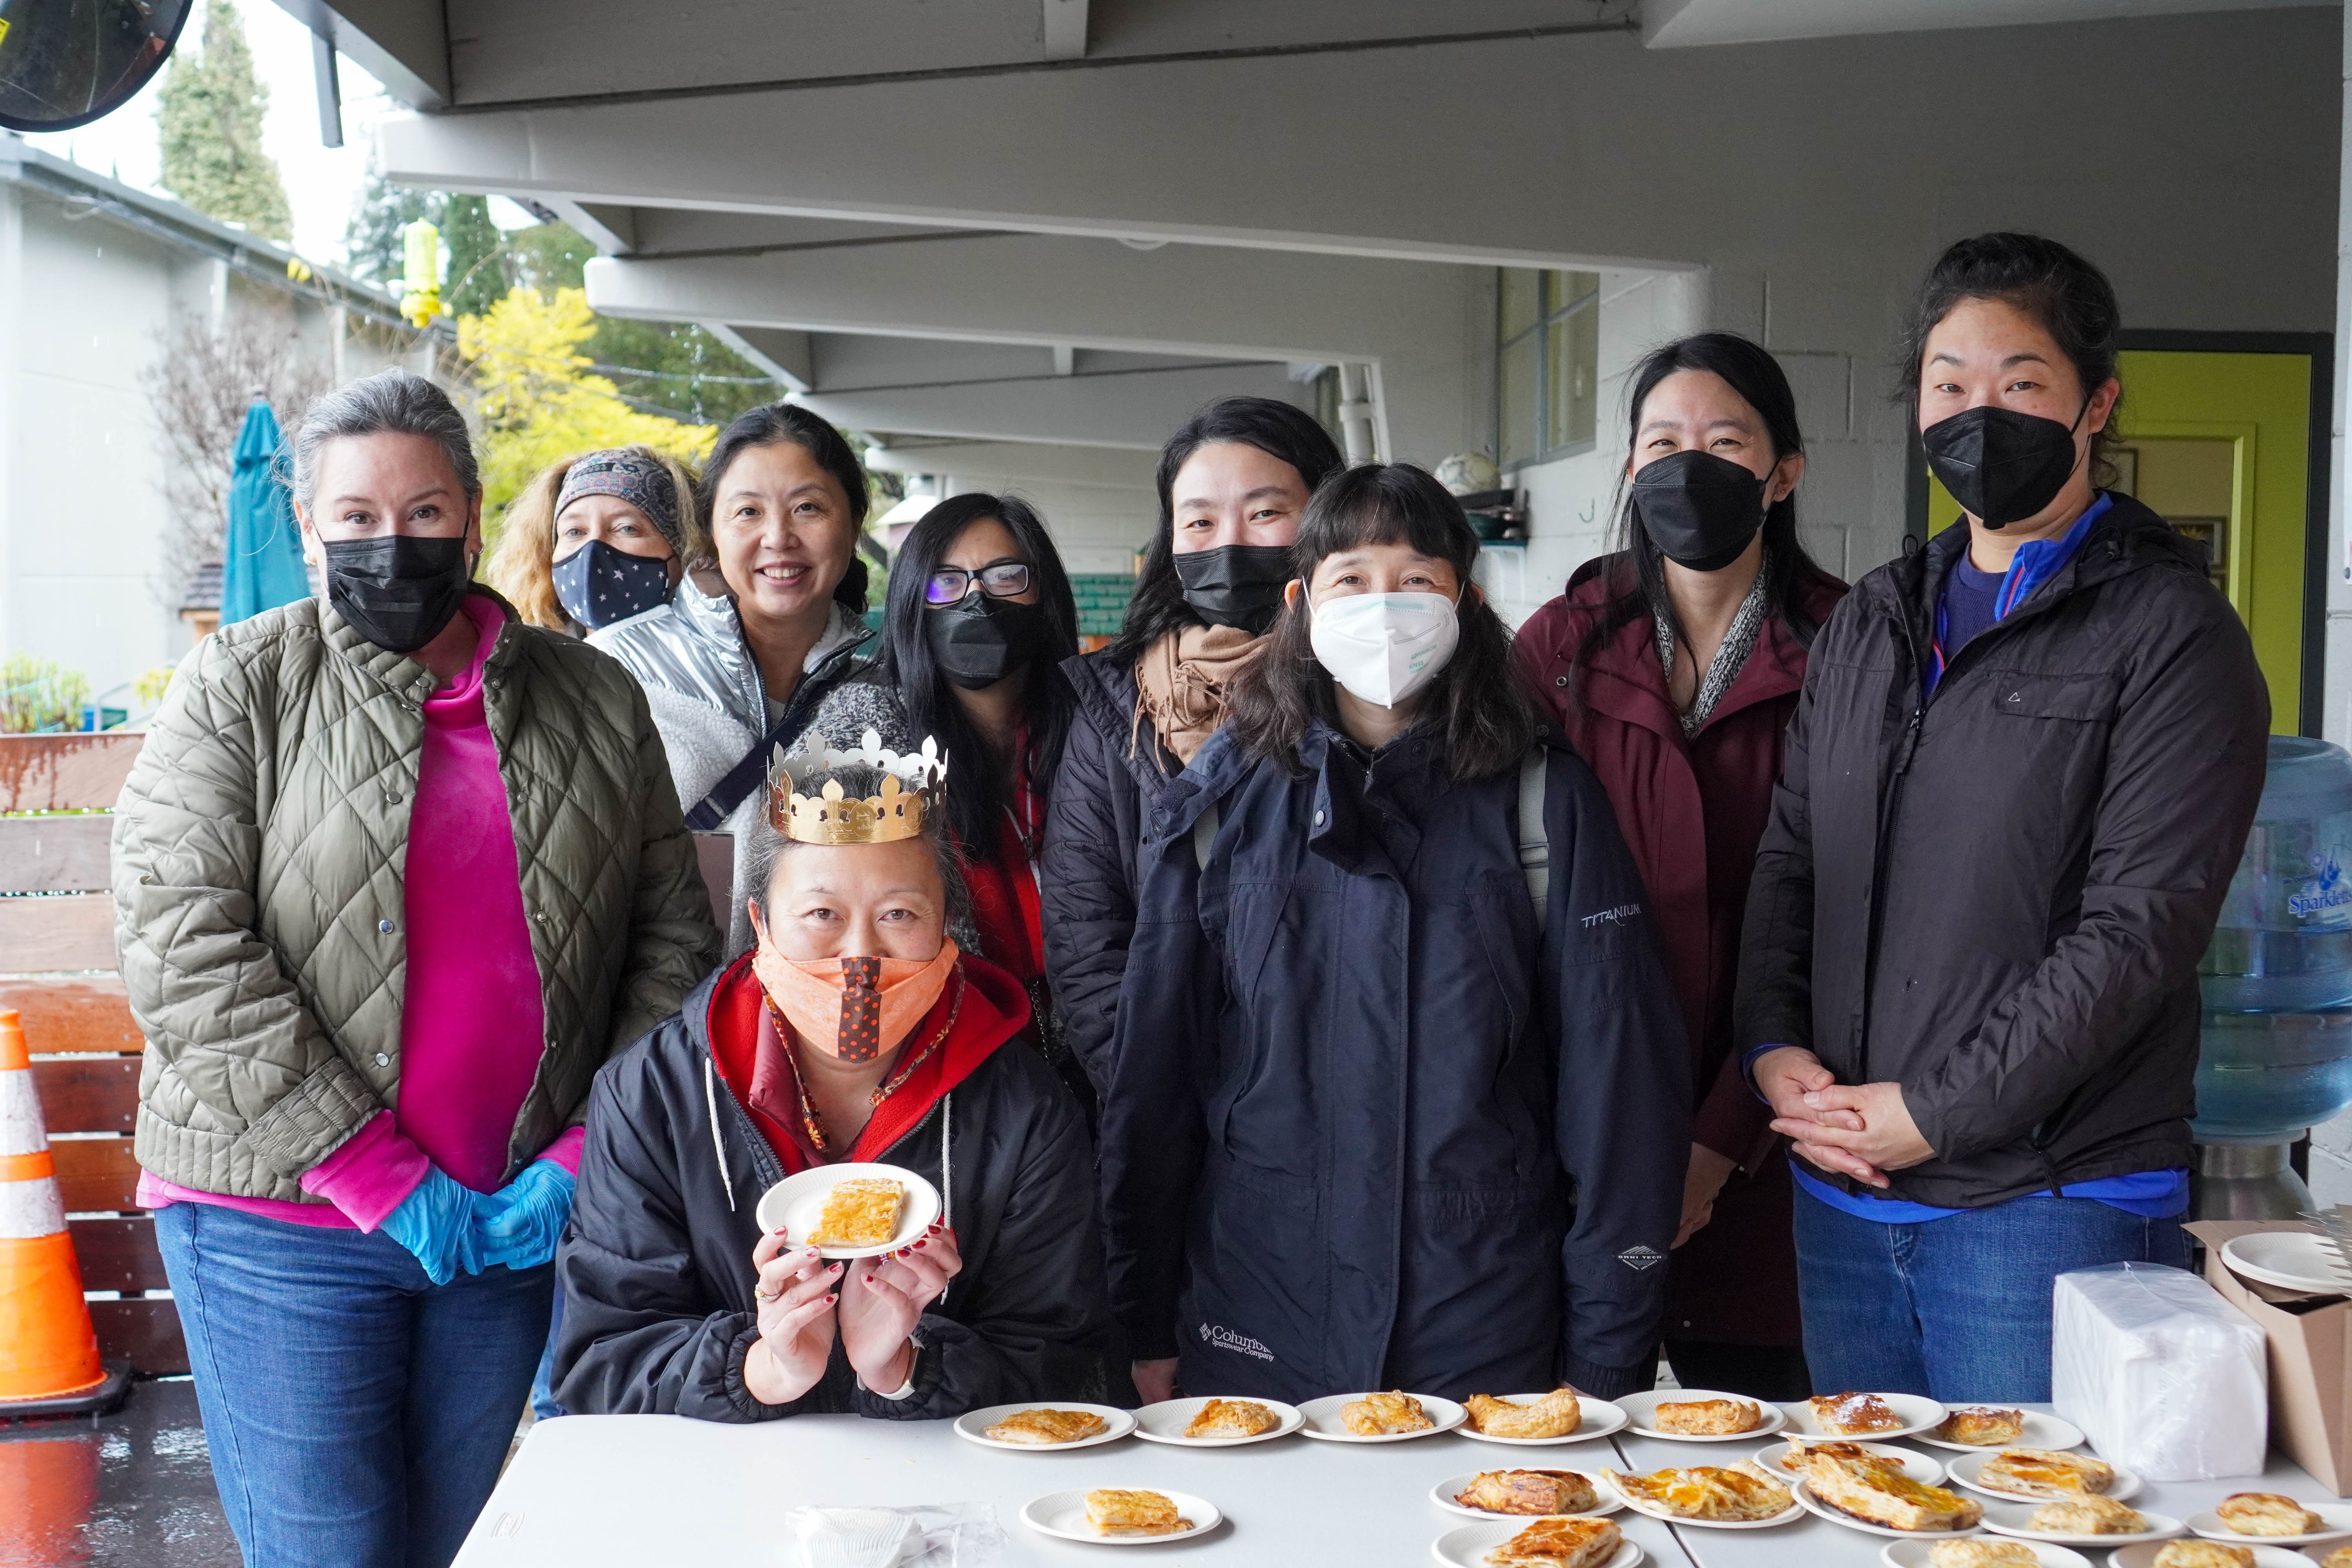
x=1365, y=1127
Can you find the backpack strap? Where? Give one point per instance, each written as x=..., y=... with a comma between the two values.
x=1535, y=837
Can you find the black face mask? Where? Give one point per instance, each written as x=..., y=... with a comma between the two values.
x=981, y=640
x=2002, y=466
x=397, y=592
x=598, y=584
x=1235, y=585
x=1699, y=509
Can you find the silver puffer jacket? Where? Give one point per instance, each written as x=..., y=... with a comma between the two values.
x=710, y=705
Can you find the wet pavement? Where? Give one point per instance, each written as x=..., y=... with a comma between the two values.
x=132, y=1488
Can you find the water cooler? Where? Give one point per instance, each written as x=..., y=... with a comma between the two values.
x=2276, y=1058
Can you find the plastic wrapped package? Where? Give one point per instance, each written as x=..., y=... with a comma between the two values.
x=2164, y=1376
x=941, y=1535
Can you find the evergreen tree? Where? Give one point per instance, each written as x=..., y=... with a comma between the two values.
x=209, y=118
x=477, y=266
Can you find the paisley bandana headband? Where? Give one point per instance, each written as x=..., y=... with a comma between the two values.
x=642, y=482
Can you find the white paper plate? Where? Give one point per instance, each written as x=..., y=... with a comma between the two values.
x=1323, y=1419
x=1793, y=1512
x=1640, y=1407
x=1165, y=1422
x=2290, y=1260
x=1064, y=1514
x=1466, y=1546
x=2009, y=1518
x=1918, y=1413
x=796, y=1203
x=2338, y=1515
x=1441, y=1494
x=1927, y=1472
x=1913, y=1554
x=2125, y=1487
x=973, y=1426
x=1601, y=1418
x=2042, y=1430
x=2264, y=1556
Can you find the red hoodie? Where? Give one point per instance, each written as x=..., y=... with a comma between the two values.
x=993, y=1009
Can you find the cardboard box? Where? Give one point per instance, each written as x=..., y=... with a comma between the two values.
x=2310, y=1339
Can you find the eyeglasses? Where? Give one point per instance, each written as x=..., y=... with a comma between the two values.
x=1004, y=580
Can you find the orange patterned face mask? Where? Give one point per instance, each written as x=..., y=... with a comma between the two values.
x=855, y=1008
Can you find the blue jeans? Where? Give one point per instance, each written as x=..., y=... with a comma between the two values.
x=542, y=1382
x=1956, y=1308
x=357, y=1415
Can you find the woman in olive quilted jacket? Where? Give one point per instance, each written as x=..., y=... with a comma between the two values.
x=393, y=876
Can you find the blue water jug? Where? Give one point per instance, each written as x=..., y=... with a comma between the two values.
x=2264, y=1078
x=2284, y=941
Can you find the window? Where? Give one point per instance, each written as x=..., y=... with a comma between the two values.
x=1548, y=363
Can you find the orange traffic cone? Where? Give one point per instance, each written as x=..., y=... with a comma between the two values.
x=47, y=1349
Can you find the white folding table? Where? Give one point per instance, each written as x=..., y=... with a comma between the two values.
x=622, y=1492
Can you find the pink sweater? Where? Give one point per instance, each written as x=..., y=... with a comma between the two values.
x=472, y=1028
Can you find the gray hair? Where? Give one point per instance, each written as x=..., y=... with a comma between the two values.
x=389, y=403
x=858, y=781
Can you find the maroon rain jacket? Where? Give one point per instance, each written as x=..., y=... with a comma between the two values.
x=1692, y=811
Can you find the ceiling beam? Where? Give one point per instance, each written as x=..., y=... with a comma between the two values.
x=1129, y=409
x=403, y=45
x=1066, y=29
x=782, y=354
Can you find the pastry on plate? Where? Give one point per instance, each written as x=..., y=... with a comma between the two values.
x=860, y=1212
x=1116, y=1512
x=2088, y=1515
x=1529, y=1491
x=1982, y=1427
x=1707, y=1417
x=1852, y=1453
x=2203, y=1554
x=1042, y=1428
x=1378, y=1414
x=1558, y=1543
x=1709, y=1491
x=2268, y=1513
x=2044, y=1472
x=1231, y=1418
x=1979, y=1551
x=1556, y=1414
x=2339, y=1558
x=1853, y=1415
x=1878, y=1492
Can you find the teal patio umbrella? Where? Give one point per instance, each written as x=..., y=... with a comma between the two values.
x=261, y=565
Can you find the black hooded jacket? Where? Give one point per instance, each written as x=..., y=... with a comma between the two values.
x=656, y=1266
x=1366, y=1127
x=1997, y=897
x=1114, y=774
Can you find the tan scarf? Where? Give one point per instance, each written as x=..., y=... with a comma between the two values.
x=1182, y=679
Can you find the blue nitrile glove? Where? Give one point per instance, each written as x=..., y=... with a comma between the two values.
x=521, y=1222
x=435, y=1222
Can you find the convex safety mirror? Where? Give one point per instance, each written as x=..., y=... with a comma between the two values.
x=64, y=63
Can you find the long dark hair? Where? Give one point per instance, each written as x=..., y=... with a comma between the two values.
x=976, y=795
x=1488, y=721
x=1276, y=429
x=773, y=422
x=1636, y=581
x=2066, y=297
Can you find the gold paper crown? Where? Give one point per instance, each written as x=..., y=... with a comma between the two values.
x=914, y=786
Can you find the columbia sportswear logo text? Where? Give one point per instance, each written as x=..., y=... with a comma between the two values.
x=1226, y=1340
x=1610, y=917
x=1640, y=1257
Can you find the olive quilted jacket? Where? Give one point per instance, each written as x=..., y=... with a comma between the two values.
x=259, y=848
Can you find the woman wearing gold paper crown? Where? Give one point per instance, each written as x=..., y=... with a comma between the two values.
x=853, y=1031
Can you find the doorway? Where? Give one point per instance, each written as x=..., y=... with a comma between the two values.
x=2225, y=435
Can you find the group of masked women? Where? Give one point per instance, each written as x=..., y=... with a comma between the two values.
x=1316, y=990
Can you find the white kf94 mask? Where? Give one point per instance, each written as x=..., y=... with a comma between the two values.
x=1383, y=648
